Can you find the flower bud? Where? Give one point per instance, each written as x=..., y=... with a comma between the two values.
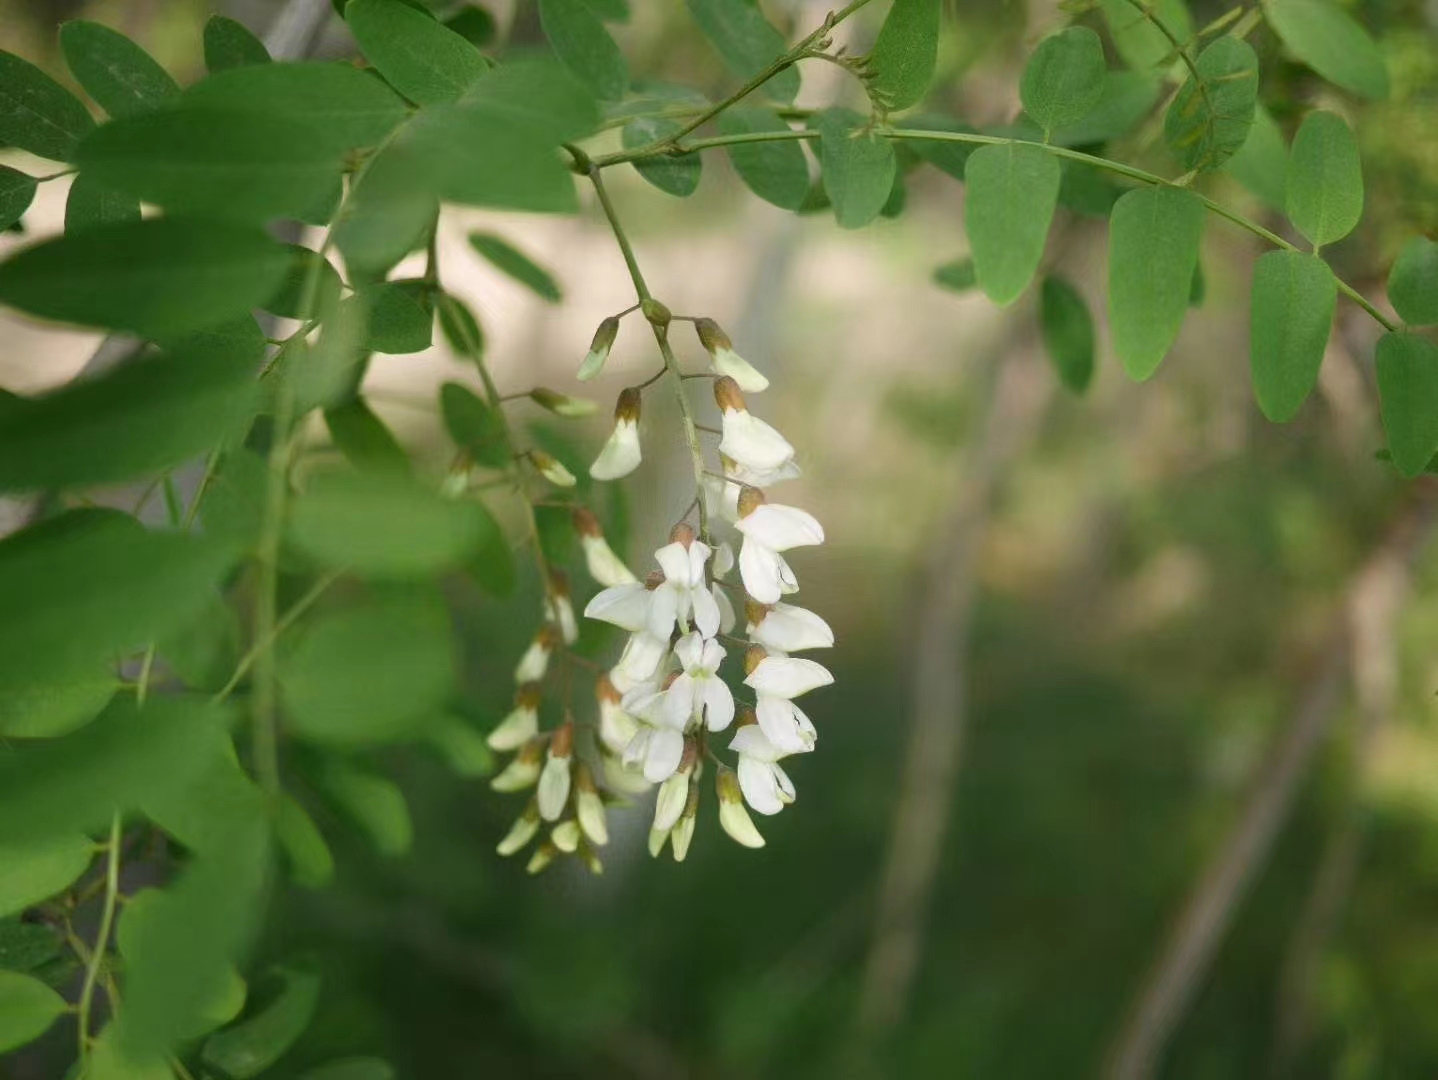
x=725, y=360
x=562, y=404
x=565, y=836
x=523, y=770
x=674, y=792
x=745, y=716
x=559, y=608
x=554, y=781
x=552, y=469
x=750, y=499
x=656, y=312
x=599, y=349
x=522, y=723
x=521, y=832
x=455, y=482
x=621, y=453
x=657, y=839
x=732, y=815
x=604, y=566
x=754, y=655
x=535, y=661
x=728, y=396
x=542, y=857
x=683, y=534
x=683, y=833
x=589, y=807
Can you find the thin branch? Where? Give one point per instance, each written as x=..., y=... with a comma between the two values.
x=102, y=936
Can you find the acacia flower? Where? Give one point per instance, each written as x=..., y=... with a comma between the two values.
x=552, y=469
x=542, y=857
x=621, y=454
x=604, y=566
x=770, y=528
x=674, y=792
x=535, y=661
x=658, y=746
x=786, y=628
x=589, y=807
x=565, y=836
x=766, y=786
x=521, y=832
x=523, y=770
x=747, y=440
x=732, y=815
x=553, y=790
x=560, y=608
x=562, y=404
x=522, y=723
x=599, y=349
x=616, y=727
x=698, y=692
x=725, y=360
x=776, y=681
x=684, y=589
x=683, y=832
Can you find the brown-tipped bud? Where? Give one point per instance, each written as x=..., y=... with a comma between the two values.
x=750, y=499
x=753, y=657
x=561, y=743
x=754, y=612
x=683, y=533
x=744, y=716
x=562, y=404
x=532, y=752
x=654, y=579
x=548, y=636
x=558, y=584
x=627, y=407
x=605, y=690
x=585, y=522
x=542, y=857
x=584, y=780
x=528, y=696
x=604, y=336
x=691, y=755
x=656, y=312
x=711, y=336
x=728, y=395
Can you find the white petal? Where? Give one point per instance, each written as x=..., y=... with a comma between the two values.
x=780, y=527
x=645, y=703
x=661, y=758
x=750, y=741
x=679, y=702
x=553, y=790
x=762, y=478
x=805, y=726
x=792, y=629
x=554, y=471
x=616, y=727
x=641, y=657
x=673, y=559
x=533, y=664
x=673, y=794
x=759, y=570
x=604, y=566
x=565, y=836
x=681, y=836
x=514, y=730
x=592, y=364
x=728, y=362
x=698, y=556
x=520, y=833
x=589, y=808
x=690, y=651
x=756, y=781
x=708, y=616
x=561, y=610
x=784, y=784
x=664, y=605
x=721, y=499
x=712, y=656
x=727, y=618
x=781, y=726
x=738, y=825
x=625, y=606
x=621, y=454
x=751, y=442
x=718, y=703
x=787, y=676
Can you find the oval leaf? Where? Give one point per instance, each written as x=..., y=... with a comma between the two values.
x=229, y=44
x=37, y=113
x=1327, y=39
x=425, y=61
x=1068, y=332
x=904, y=55
x=1324, y=182
x=257, y=1042
x=375, y=804
x=17, y=191
x=31, y=871
x=503, y=256
x=1139, y=41
x=584, y=46
x=27, y=1009
x=1210, y=117
x=858, y=167
x=1293, y=300
x=364, y=440
x=1009, y=201
x=746, y=41
x=44, y=710
x=91, y=204
x=311, y=863
x=1064, y=79
x=776, y=171
x=121, y=77
x=1408, y=393
x=672, y=175
x=1154, y=234
x=1413, y=282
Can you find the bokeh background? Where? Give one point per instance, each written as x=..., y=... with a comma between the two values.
x=1109, y=668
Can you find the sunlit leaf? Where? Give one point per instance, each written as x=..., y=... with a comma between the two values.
x=858, y=167
x=1324, y=182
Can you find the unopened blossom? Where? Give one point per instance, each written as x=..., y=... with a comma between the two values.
x=522, y=722
x=786, y=628
x=552, y=469
x=698, y=692
x=621, y=778
x=770, y=529
x=776, y=681
x=535, y=661
x=565, y=836
x=682, y=834
x=589, y=807
x=763, y=781
x=674, y=792
x=523, y=771
x=725, y=360
x=657, y=839
x=732, y=815
x=599, y=349
x=604, y=566
x=560, y=608
x=616, y=727
x=621, y=455
x=562, y=404
x=747, y=440
x=521, y=832
x=542, y=857
x=553, y=790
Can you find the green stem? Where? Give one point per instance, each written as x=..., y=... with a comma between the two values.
x=283, y=623
x=102, y=936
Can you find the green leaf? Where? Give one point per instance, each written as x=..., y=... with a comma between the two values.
x=516, y=264
x=1210, y=119
x=37, y=113
x=746, y=42
x=460, y=328
x=328, y=371
x=27, y=1009
x=777, y=171
x=26, y=946
x=386, y=217
x=371, y=673
x=1064, y=79
x=1413, y=282
x=91, y=204
x=474, y=426
x=215, y=162
x=585, y=47
x=216, y=801
x=401, y=315
x=204, y=651
x=74, y=783
x=311, y=864
x=160, y=277
x=1261, y=164
x=1327, y=39
x=122, y=78
x=1324, y=182
x=858, y=167
x=229, y=44
x=474, y=24
x=538, y=96
x=35, y=870
x=384, y=526
x=1087, y=190
x=1068, y=332
x=1141, y=43
x=344, y=108
x=46, y=709
x=956, y=276
x=311, y=288
x=1408, y=393
x=375, y=804
x=262, y=1038
x=1154, y=234
x=1012, y=190
x=1293, y=300
x=462, y=746
x=109, y=1062
x=352, y=1069
x=1125, y=99
x=948, y=157
x=17, y=191
x=132, y=421
x=905, y=52
x=425, y=61
x=364, y=440
x=672, y=175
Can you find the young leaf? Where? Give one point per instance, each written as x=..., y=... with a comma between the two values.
x=229, y=44
x=401, y=315
x=473, y=425
x=858, y=167
x=91, y=204
x=1012, y=189
x=17, y=191
x=1064, y=79
x=956, y=276
x=259, y=1040
x=311, y=864
x=1068, y=332
x=27, y=1009
x=375, y=804
x=1413, y=282
x=905, y=52
x=37, y=113
x=1408, y=394
x=425, y=61
x=35, y=870
x=747, y=43
x=672, y=175
x=1324, y=182
x=121, y=77
x=159, y=278
x=1136, y=34
x=224, y=163
x=584, y=46
x=1327, y=39
x=1154, y=233
x=1294, y=294
x=311, y=288
x=364, y=440
x=372, y=673
x=1261, y=164
x=777, y=171
x=516, y=264
x=1210, y=118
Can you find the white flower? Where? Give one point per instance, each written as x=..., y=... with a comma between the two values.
x=721, y=497
x=684, y=590
x=698, y=692
x=786, y=628
x=559, y=608
x=657, y=748
x=625, y=605
x=521, y=724
x=535, y=661
x=552, y=469
x=521, y=832
x=522, y=771
x=589, y=807
x=743, y=474
x=732, y=815
x=725, y=360
x=565, y=836
x=727, y=618
x=724, y=557
x=785, y=724
x=554, y=781
x=776, y=681
x=749, y=441
x=642, y=657
x=599, y=349
x=683, y=832
x=562, y=404
x=766, y=786
x=621, y=454
x=673, y=796
x=616, y=727
x=604, y=566
x=769, y=529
